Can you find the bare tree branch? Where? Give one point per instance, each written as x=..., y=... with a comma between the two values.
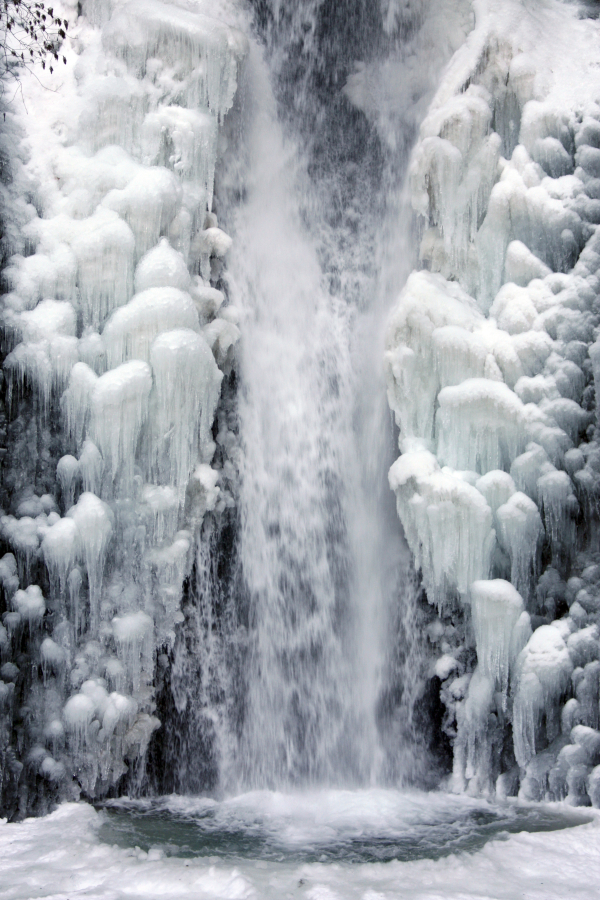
x=30, y=33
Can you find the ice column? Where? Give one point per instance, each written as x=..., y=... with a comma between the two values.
x=492, y=367
x=115, y=335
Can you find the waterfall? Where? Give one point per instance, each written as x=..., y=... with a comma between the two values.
x=314, y=673
x=262, y=263
x=323, y=561
x=312, y=680
x=215, y=588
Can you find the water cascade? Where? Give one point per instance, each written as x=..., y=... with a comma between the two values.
x=245, y=249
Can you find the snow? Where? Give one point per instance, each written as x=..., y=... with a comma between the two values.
x=64, y=853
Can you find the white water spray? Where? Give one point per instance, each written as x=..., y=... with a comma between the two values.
x=321, y=550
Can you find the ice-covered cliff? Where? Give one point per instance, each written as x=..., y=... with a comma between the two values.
x=116, y=344
x=492, y=364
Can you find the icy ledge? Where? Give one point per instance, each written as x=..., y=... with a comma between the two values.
x=115, y=349
x=492, y=364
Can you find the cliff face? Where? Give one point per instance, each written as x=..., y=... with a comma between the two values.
x=115, y=346
x=492, y=367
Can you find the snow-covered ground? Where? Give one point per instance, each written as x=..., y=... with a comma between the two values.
x=74, y=852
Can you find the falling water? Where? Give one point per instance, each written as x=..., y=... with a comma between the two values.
x=323, y=563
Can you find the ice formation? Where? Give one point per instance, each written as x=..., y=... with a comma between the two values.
x=108, y=294
x=119, y=336
x=492, y=367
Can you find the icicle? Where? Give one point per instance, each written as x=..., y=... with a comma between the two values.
x=558, y=503
x=133, y=634
x=74, y=582
x=185, y=140
x=131, y=330
x=119, y=405
x=496, y=608
x=164, y=505
x=148, y=204
x=520, y=531
x=188, y=385
x=67, y=471
x=447, y=522
x=104, y=247
x=30, y=605
x=481, y=425
x=53, y=658
x=94, y=521
x=76, y=401
x=59, y=548
x=544, y=668
x=91, y=467
x=161, y=267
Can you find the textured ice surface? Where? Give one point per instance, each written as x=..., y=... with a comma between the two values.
x=493, y=371
x=496, y=608
x=108, y=288
x=447, y=522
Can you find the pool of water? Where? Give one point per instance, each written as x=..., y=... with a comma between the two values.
x=326, y=827
x=327, y=845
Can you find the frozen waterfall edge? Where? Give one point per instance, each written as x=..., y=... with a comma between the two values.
x=117, y=347
x=492, y=372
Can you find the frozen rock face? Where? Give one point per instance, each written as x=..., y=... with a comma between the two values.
x=493, y=368
x=113, y=364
